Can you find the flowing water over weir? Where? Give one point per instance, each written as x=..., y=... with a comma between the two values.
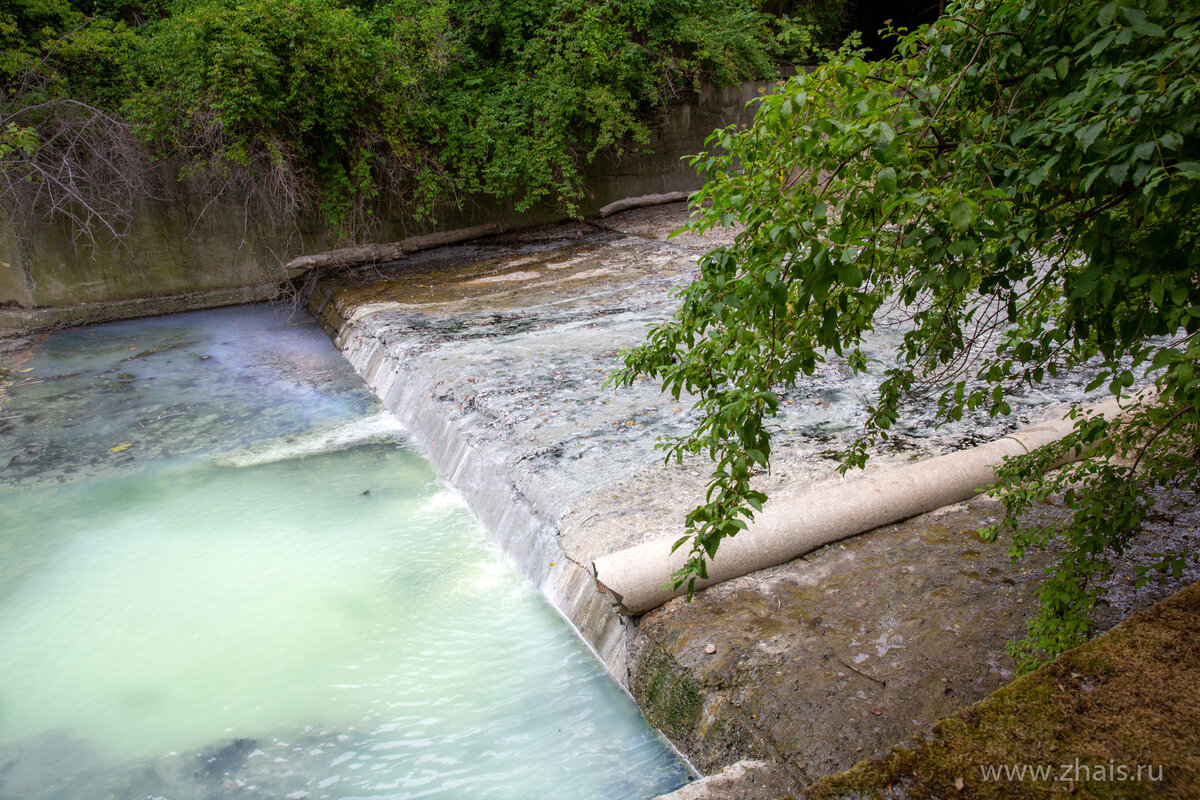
x=224, y=573
x=495, y=356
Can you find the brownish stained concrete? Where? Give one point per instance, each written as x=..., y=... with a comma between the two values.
x=841, y=654
x=855, y=648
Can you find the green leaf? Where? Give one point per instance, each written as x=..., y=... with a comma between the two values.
x=961, y=214
x=962, y=247
x=1188, y=169
x=1087, y=135
x=1144, y=150
x=1137, y=18
x=886, y=180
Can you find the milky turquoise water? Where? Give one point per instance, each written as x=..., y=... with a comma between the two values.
x=223, y=573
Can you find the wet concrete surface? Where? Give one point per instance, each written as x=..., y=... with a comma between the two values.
x=858, y=646
x=814, y=664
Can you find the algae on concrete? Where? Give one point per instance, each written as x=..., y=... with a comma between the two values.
x=668, y=694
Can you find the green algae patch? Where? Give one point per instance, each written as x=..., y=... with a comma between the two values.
x=667, y=693
x=697, y=711
x=1115, y=718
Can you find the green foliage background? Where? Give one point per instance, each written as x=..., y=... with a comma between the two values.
x=345, y=106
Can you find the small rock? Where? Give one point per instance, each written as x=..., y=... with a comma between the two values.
x=745, y=780
x=710, y=648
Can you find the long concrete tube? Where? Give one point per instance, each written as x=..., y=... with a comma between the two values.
x=638, y=578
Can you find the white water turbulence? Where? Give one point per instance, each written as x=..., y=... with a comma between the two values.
x=224, y=573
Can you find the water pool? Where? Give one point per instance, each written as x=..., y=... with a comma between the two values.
x=224, y=573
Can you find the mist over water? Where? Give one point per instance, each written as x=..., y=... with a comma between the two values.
x=224, y=574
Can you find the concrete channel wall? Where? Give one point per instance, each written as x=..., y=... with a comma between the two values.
x=176, y=258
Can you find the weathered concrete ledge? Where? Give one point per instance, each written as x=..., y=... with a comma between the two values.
x=495, y=356
x=33, y=319
x=192, y=247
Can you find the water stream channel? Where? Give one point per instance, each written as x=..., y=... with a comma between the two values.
x=224, y=572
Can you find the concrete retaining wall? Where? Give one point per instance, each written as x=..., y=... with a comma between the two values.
x=174, y=260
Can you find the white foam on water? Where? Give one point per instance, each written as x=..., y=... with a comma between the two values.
x=380, y=427
x=445, y=499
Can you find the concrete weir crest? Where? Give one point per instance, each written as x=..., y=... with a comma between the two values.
x=494, y=356
x=482, y=477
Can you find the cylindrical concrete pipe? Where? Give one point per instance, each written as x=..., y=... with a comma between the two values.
x=638, y=578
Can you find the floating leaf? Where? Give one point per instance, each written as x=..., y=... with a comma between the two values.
x=120, y=447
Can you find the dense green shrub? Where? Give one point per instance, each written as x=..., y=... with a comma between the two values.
x=62, y=152
x=50, y=49
x=305, y=89
x=344, y=106
x=537, y=88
